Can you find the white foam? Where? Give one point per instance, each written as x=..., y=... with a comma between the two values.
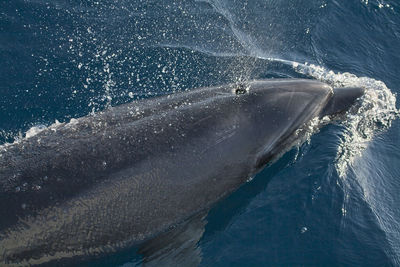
x=376, y=112
x=31, y=132
x=34, y=131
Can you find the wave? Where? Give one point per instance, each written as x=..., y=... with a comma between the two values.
x=375, y=114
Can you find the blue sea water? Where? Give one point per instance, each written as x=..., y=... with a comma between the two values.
x=333, y=200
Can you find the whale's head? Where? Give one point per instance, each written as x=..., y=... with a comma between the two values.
x=276, y=109
x=291, y=95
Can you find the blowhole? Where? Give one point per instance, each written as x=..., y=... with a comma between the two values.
x=241, y=89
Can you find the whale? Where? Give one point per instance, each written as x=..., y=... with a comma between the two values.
x=119, y=177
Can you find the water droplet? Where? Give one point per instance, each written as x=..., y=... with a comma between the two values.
x=36, y=187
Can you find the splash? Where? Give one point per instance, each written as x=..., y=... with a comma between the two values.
x=31, y=132
x=375, y=113
x=34, y=130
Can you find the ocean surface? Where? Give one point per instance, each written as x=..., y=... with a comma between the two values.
x=333, y=200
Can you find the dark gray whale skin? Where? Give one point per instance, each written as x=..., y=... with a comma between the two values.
x=118, y=177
